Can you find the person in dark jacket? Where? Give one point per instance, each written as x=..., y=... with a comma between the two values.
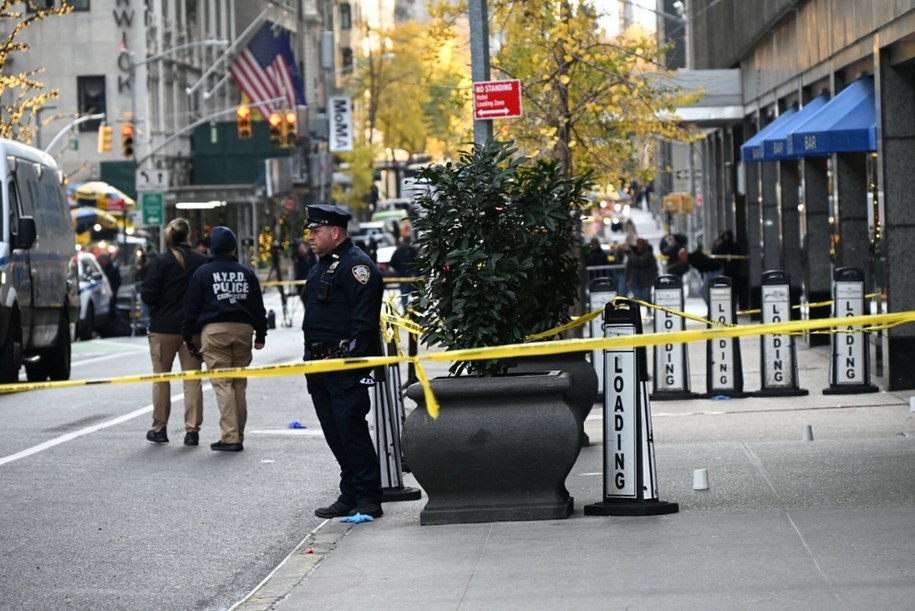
x=303, y=259
x=164, y=284
x=342, y=317
x=225, y=306
x=641, y=270
x=112, y=272
x=404, y=261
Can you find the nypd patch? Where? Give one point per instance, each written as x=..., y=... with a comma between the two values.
x=361, y=273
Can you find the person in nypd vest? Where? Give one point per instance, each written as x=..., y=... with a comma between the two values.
x=225, y=306
x=343, y=296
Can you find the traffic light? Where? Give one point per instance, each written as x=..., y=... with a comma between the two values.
x=275, y=123
x=105, y=135
x=290, y=129
x=243, y=114
x=127, y=133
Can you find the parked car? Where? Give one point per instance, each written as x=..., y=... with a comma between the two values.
x=374, y=230
x=95, y=298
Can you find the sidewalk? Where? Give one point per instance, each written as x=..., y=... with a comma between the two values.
x=786, y=524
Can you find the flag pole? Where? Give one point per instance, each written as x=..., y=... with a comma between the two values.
x=230, y=51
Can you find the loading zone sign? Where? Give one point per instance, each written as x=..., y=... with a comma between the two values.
x=496, y=100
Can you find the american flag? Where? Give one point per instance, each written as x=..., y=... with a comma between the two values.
x=266, y=69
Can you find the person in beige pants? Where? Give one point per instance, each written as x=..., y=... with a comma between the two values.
x=163, y=291
x=225, y=306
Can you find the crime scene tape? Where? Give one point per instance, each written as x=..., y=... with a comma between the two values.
x=493, y=352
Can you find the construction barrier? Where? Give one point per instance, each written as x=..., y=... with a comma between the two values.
x=778, y=353
x=630, y=476
x=849, y=368
x=671, y=360
x=724, y=367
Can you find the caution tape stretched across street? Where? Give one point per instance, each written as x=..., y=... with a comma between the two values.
x=494, y=352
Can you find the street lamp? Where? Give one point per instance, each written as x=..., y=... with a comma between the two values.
x=132, y=64
x=70, y=126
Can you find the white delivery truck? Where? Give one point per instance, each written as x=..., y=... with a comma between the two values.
x=39, y=284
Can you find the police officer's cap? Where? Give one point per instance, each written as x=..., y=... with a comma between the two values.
x=326, y=214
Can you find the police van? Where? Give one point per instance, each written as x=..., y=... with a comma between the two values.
x=39, y=284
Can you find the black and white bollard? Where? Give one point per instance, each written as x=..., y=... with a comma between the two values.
x=601, y=293
x=849, y=369
x=724, y=367
x=671, y=361
x=389, y=417
x=778, y=353
x=630, y=474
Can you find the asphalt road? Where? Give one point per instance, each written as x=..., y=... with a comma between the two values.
x=94, y=517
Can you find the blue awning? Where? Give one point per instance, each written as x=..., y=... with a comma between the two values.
x=846, y=124
x=778, y=144
x=752, y=149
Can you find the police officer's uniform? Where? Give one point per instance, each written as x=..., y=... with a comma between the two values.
x=343, y=296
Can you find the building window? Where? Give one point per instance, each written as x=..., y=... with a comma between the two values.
x=78, y=5
x=347, y=55
x=91, y=92
x=346, y=17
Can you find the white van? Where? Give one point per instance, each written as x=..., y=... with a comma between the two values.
x=39, y=284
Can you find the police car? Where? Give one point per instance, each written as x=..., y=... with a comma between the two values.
x=95, y=299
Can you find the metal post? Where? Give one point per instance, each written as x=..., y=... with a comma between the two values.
x=479, y=59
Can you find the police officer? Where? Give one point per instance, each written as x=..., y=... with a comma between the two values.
x=224, y=305
x=342, y=311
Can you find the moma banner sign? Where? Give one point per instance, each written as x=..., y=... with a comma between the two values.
x=341, y=124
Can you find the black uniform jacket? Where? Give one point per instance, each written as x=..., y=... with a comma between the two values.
x=164, y=287
x=343, y=302
x=224, y=290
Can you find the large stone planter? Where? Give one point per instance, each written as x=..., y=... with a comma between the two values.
x=582, y=393
x=500, y=450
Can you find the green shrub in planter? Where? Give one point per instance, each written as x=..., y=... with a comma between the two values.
x=497, y=240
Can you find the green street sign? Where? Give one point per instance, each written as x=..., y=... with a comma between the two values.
x=153, y=204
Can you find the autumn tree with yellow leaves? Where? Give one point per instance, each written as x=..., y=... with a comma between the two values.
x=410, y=92
x=22, y=94
x=592, y=101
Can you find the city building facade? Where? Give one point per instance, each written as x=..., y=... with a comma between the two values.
x=814, y=177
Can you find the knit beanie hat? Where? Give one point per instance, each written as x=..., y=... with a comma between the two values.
x=222, y=241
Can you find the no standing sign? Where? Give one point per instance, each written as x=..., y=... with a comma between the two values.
x=496, y=100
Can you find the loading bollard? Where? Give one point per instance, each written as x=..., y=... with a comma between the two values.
x=630, y=473
x=778, y=354
x=671, y=361
x=389, y=417
x=849, y=368
x=724, y=367
x=600, y=294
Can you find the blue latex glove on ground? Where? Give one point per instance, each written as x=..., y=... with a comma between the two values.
x=359, y=518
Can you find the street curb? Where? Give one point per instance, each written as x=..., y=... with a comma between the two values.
x=295, y=568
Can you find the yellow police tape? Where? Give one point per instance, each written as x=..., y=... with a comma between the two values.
x=495, y=352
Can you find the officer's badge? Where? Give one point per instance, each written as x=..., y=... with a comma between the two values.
x=361, y=273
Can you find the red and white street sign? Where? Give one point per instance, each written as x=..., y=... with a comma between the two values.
x=496, y=100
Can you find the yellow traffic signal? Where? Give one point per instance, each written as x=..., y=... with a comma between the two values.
x=105, y=135
x=275, y=124
x=290, y=129
x=127, y=133
x=243, y=114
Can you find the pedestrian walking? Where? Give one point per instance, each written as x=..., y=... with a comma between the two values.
x=163, y=288
x=641, y=270
x=225, y=306
x=342, y=317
